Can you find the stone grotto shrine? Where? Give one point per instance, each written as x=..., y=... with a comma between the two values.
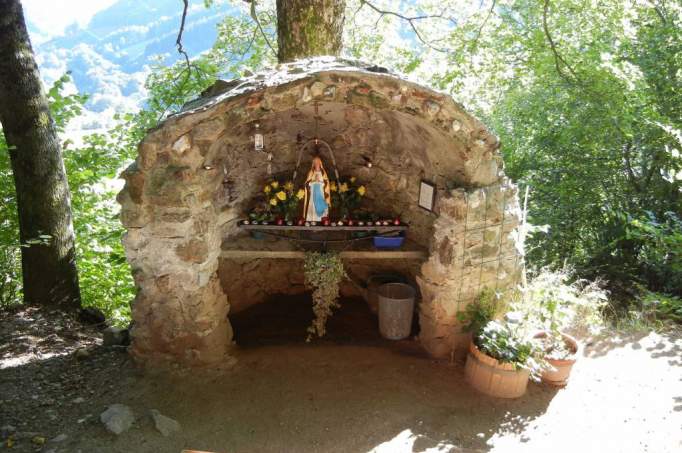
x=198, y=173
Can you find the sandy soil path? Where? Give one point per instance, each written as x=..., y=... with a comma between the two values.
x=355, y=395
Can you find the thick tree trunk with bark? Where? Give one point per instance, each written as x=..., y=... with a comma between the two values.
x=43, y=200
x=307, y=28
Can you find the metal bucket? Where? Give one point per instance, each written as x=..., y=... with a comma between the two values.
x=396, y=308
x=374, y=282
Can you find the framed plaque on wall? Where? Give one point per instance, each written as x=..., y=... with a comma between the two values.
x=427, y=195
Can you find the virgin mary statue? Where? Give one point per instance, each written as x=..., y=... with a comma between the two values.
x=317, y=194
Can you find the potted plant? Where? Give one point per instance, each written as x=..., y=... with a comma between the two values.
x=553, y=305
x=560, y=352
x=501, y=359
x=560, y=349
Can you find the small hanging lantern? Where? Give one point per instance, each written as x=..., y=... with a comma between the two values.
x=226, y=184
x=258, y=139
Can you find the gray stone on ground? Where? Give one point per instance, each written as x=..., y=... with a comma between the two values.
x=6, y=430
x=59, y=438
x=165, y=425
x=82, y=353
x=115, y=336
x=117, y=418
x=91, y=316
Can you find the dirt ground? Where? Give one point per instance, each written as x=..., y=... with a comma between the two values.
x=352, y=392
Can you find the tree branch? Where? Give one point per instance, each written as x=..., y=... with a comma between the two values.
x=627, y=147
x=558, y=59
x=485, y=22
x=254, y=15
x=178, y=41
x=411, y=20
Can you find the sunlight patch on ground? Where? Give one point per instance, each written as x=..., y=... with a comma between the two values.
x=618, y=400
x=28, y=358
x=405, y=442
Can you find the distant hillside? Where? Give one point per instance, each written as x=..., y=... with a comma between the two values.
x=108, y=58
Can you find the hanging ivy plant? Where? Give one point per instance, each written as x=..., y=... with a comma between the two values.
x=323, y=272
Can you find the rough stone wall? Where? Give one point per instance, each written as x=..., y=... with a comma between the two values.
x=259, y=279
x=178, y=205
x=173, y=244
x=474, y=246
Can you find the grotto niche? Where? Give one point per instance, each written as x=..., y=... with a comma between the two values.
x=197, y=173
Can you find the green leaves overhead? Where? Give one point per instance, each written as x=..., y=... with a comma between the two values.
x=586, y=98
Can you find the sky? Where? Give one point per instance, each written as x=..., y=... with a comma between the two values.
x=53, y=16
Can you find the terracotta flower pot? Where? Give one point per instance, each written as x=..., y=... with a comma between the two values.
x=558, y=376
x=486, y=374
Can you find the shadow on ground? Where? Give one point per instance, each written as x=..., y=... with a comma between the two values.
x=351, y=392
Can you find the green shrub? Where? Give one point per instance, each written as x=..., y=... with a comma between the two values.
x=650, y=310
x=487, y=306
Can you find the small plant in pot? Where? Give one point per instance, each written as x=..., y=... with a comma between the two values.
x=555, y=304
x=502, y=359
x=560, y=349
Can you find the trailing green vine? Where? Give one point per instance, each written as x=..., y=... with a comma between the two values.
x=323, y=272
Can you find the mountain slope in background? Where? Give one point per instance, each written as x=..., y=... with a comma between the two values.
x=110, y=57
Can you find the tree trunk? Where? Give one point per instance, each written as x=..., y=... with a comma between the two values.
x=307, y=28
x=43, y=201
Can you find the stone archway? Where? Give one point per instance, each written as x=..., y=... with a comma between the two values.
x=196, y=172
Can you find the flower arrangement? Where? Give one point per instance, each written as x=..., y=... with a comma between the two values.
x=346, y=196
x=282, y=199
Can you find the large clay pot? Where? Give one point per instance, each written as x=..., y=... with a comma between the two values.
x=561, y=369
x=494, y=378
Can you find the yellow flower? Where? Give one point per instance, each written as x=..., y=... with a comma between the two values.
x=362, y=190
x=273, y=201
x=281, y=195
x=352, y=179
x=289, y=186
x=274, y=184
x=300, y=194
x=266, y=189
x=332, y=186
x=343, y=187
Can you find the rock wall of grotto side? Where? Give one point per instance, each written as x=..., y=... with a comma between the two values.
x=474, y=246
x=173, y=244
